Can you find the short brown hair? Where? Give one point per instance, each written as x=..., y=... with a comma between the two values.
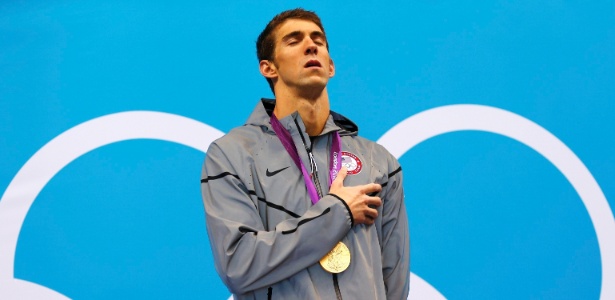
x=265, y=44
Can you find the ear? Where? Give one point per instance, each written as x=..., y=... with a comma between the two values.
x=331, y=68
x=268, y=69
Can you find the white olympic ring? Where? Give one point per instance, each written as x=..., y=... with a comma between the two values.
x=433, y=122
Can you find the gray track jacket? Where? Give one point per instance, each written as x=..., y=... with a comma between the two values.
x=266, y=235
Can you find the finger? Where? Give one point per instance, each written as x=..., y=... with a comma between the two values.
x=369, y=218
x=371, y=213
x=371, y=188
x=373, y=202
x=339, y=179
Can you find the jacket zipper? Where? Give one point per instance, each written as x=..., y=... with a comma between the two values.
x=314, y=171
x=314, y=174
x=313, y=166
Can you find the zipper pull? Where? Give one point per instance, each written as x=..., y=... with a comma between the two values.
x=313, y=165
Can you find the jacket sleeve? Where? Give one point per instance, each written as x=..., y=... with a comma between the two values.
x=395, y=235
x=247, y=256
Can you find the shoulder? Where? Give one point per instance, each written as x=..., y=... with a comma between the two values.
x=375, y=150
x=365, y=151
x=238, y=141
x=242, y=136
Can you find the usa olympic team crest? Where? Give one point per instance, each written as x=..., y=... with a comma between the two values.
x=351, y=162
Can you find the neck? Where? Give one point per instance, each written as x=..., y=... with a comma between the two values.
x=314, y=111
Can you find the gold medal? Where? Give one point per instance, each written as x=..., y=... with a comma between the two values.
x=337, y=260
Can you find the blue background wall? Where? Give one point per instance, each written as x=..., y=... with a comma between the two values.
x=490, y=218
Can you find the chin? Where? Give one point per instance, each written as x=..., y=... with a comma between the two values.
x=315, y=83
x=317, y=88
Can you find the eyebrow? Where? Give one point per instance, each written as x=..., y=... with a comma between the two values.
x=294, y=34
x=318, y=34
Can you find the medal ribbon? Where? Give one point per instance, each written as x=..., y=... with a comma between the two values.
x=334, y=159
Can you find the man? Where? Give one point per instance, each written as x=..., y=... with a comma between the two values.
x=285, y=219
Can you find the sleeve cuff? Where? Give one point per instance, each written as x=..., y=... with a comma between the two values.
x=347, y=208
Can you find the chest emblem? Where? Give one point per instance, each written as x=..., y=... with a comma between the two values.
x=352, y=163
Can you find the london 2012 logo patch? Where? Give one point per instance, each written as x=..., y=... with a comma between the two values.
x=352, y=163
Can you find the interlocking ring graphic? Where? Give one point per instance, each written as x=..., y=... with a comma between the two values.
x=55, y=155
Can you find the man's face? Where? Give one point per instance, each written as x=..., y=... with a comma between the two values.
x=301, y=59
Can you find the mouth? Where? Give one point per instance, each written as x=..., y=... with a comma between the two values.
x=312, y=63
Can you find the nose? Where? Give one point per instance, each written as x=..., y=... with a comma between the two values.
x=312, y=48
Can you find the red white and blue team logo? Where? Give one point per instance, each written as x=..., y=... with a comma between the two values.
x=351, y=162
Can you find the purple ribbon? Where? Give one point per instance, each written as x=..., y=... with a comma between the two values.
x=334, y=159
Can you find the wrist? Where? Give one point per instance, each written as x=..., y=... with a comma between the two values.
x=347, y=208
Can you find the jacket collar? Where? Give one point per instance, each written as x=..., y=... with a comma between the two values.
x=263, y=110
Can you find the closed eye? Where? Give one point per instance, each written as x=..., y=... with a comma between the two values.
x=318, y=38
x=292, y=38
